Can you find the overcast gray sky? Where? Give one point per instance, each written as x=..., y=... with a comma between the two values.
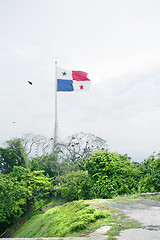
x=117, y=42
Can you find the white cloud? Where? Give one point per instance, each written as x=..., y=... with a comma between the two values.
x=116, y=42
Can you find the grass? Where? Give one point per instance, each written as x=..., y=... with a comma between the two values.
x=111, y=238
x=135, y=197
x=31, y=213
x=79, y=218
x=121, y=222
x=71, y=219
x=157, y=198
x=127, y=224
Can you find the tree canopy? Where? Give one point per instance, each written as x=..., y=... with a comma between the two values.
x=13, y=155
x=81, y=168
x=111, y=173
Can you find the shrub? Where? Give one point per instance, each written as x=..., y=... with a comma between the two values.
x=19, y=190
x=75, y=186
x=150, y=174
x=111, y=174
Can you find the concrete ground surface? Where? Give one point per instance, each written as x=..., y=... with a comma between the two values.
x=146, y=212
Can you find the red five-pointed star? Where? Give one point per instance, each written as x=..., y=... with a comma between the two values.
x=81, y=87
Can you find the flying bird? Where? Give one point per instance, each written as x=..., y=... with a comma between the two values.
x=30, y=82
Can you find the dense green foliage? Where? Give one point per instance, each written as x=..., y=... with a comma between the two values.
x=150, y=174
x=111, y=174
x=47, y=162
x=13, y=155
x=26, y=182
x=75, y=186
x=19, y=191
x=62, y=220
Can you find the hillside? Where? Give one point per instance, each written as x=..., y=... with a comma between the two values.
x=80, y=218
x=72, y=218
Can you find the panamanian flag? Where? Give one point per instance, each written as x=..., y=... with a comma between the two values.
x=68, y=80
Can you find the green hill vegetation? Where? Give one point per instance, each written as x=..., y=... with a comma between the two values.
x=64, y=220
x=79, y=218
x=77, y=171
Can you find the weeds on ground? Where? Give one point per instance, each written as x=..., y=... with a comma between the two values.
x=111, y=238
x=157, y=198
x=121, y=222
x=135, y=197
x=117, y=227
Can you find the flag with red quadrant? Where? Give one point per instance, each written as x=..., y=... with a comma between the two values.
x=68, y=81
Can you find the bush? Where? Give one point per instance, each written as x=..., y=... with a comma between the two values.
x=111, y=174
x=150, y=174
x=75, y=186
x=20, y=190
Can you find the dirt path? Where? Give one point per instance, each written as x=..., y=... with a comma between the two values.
x=146, y=212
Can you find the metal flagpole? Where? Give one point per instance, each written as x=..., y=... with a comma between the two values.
x=56, y=124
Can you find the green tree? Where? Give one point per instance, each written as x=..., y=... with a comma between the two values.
x=48, y=163
x=21, y=190
x=112, y=174
x=13, y=155
x=13, y=200
x=150, y=174
x=38, y=185
x=75, y=186
x=52, y=165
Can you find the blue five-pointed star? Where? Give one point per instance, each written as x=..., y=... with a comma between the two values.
x=64, y=73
